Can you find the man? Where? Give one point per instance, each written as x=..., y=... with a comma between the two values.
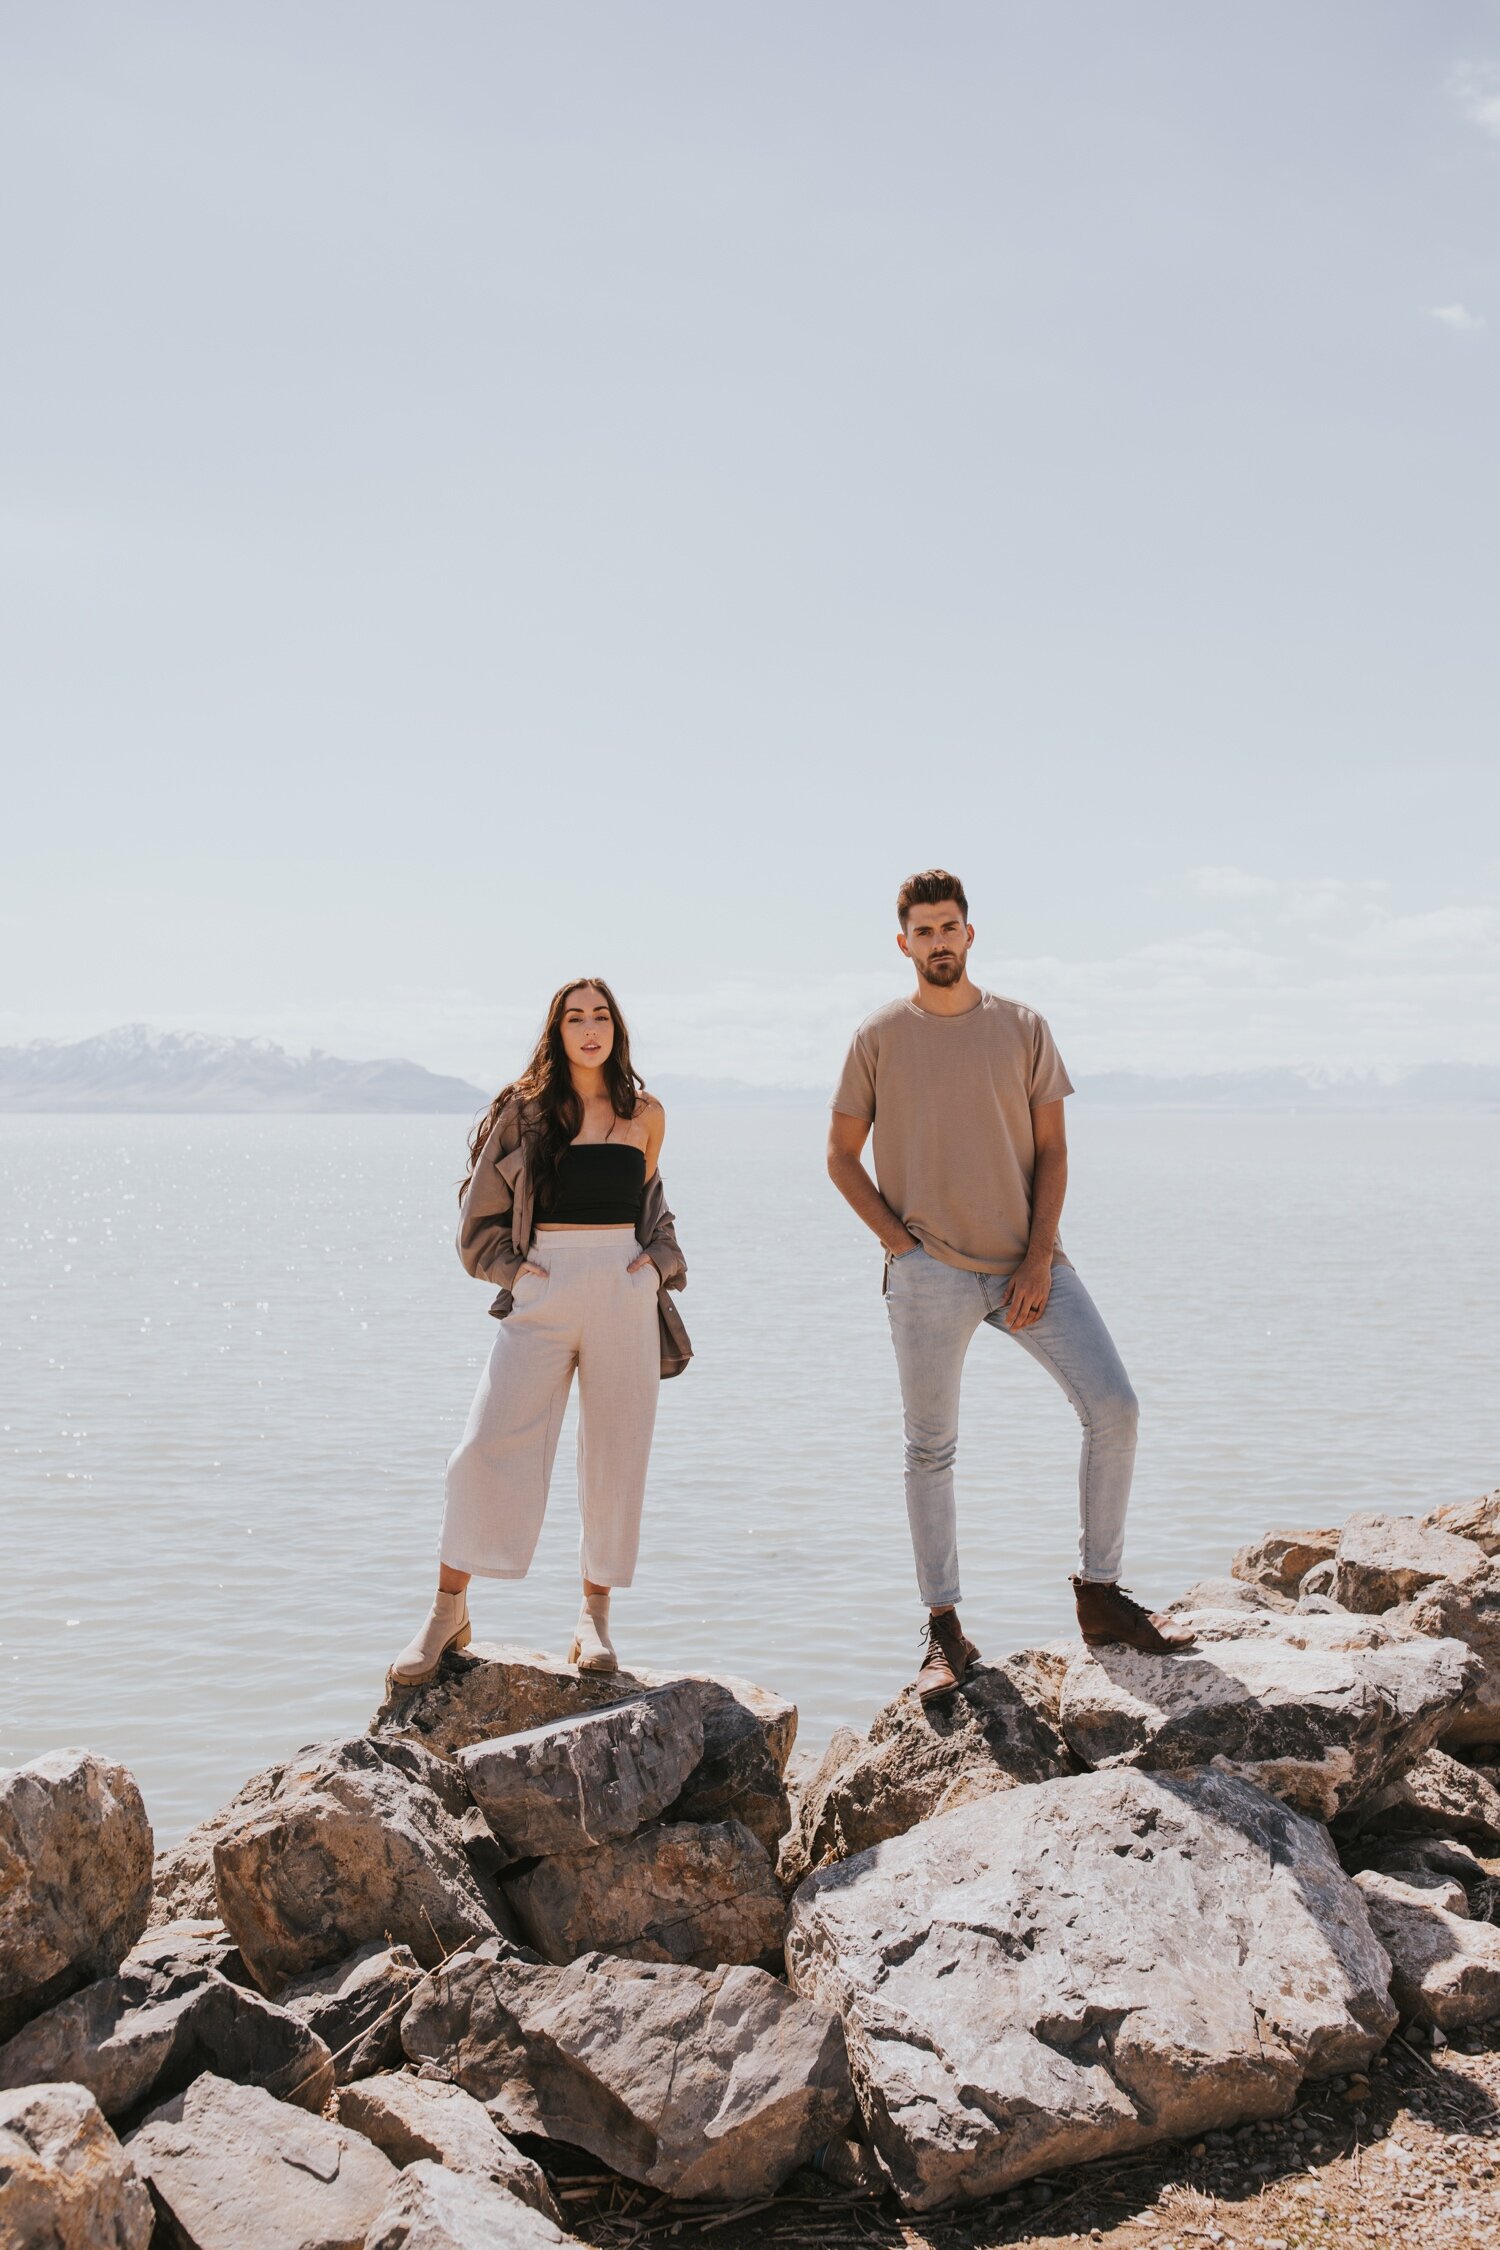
x=965, y=1091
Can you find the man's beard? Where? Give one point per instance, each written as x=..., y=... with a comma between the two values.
x=942, y=972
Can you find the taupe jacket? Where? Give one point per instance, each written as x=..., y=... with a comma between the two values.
x=496, y=1222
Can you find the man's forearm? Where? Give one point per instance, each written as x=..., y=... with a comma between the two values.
x=1049, y=1187
x=863, y=1196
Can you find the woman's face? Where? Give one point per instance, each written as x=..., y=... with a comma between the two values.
x=588, y=1028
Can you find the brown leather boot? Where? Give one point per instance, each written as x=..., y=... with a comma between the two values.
x=949, y=1655
x=1108, y=1618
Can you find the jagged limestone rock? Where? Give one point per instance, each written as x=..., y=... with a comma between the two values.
x=173, y=1947
x=75, y=1877
x=415, y=2118
x=1229, y=1593
x=1445, y=1969
x=1280, y=1560
x=432, y=2208
x=65, y=2181
x=1467, y=1611
x=1082, y=1967
x=1322, y=1710
x=1437, y=1796
x=355, y=2007
x=589, y=1779
x=1478, y=1520
x=698, y=2082
x=679, y=1892
x=353, y=1847
x=234, y=2169
x=491, y=1689
x=1000, y=1729
x=1382, y=1560
x=142, y=2035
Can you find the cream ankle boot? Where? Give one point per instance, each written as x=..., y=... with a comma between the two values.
x=447, y=1627
x=593, y=1650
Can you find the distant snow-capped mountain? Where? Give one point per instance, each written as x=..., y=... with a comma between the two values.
x=134, y=1067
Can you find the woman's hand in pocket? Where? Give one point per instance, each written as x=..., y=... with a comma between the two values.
x=539, y=1271
x=639, y=1265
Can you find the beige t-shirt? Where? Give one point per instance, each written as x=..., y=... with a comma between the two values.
x=951, y=1099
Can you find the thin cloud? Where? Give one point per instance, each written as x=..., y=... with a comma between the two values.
x=1230, y=882
x=1458, y=318
x=1476, y=87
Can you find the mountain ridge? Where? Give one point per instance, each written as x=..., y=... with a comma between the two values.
x=133, y=1068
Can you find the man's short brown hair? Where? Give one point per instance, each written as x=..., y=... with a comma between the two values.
x=928, y=889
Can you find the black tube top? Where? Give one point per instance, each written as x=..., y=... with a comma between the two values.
x=599, y=1184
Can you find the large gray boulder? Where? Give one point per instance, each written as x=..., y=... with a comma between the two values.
x=353, y=1847
x=998, y=1731
x=65, y=2181
x=1083, y=1967
x=416, y=2118
x=1438, y=1796
x=355, y=2008
x=1467, y=1611
x=492, y=1688
x=1322, y=1710
x=680, y=1892
x=432, y=2208
x=1382, y=1560
x=1445, y=1969
x=75, y=1877
x=1280, y=1560
x=232, y=2169
x=589, y=1779
x=700, y=2083
x=138, y=2037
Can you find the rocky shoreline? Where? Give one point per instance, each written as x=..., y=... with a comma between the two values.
x=1112, y=1945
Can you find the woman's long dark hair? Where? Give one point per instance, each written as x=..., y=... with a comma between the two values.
x=551, y=1112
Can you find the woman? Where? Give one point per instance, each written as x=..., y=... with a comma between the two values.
x=564, y=1208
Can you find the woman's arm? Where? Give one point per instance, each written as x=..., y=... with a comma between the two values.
x=657, y=1229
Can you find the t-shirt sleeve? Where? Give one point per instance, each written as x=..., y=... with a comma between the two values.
x=1049, y=1081
x=854, y=1095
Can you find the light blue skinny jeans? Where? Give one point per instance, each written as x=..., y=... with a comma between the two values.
x=934, y=1311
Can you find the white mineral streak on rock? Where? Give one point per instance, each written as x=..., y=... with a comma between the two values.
x=492, y=1688
x=589, y=1779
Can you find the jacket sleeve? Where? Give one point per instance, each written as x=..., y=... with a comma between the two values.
x=485, y=1243
x=658, y=1236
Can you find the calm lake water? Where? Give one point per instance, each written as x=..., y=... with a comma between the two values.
x=236, y=1352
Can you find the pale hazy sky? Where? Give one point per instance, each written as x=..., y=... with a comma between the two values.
x=496, y=490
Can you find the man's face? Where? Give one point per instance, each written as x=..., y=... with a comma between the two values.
x=936, y=941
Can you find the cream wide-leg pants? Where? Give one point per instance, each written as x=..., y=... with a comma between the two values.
x=590, y=1313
